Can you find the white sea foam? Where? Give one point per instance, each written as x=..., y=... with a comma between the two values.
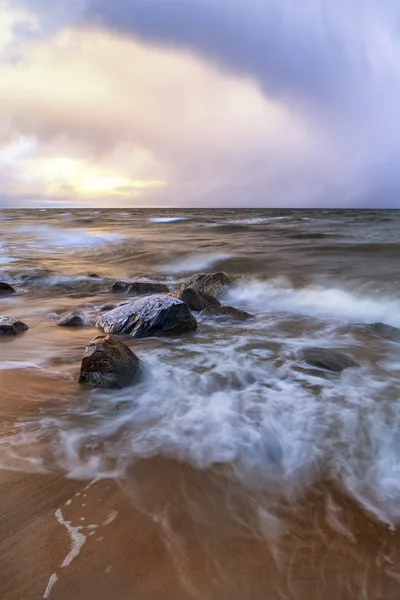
x=250, y=221
x=195, y=262
x=279, y=295
x=167, y=219
x=77, y=538
x=52, y=581
x=241, y=397
x=50, y=236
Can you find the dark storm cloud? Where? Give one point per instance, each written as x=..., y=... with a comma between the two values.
x=332, y=63
x=308, y=49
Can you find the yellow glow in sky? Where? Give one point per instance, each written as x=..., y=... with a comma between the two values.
x=83, y=178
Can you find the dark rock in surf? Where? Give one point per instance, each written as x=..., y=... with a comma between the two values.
x=6, y=289
x=71, y=319
x=330, y=360
x=148, y=317
x=108, y=363
x=226, y=312
x=195, y=300
x=10, y=326
x=386, y=331
x=107, y=307
x=212, y=284
x=93, y=276
x=139, y=288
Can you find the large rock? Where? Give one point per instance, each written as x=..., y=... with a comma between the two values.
x=10, y=326
x=71, y=319
x=148, y=317
x=208, y=283
x=330, y=360
x=108, y=363
x=139, y=288
x=227, y=312
x=386, y=331
x=195, y=300
x=6, y=288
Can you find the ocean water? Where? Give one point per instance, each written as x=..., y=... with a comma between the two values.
x=233, y=398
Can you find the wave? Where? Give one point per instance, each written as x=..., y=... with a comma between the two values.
x=225, y=402
x=55, y=237
x=278, y=295
x=167, y=219
x=195, y=263
x=250, y=221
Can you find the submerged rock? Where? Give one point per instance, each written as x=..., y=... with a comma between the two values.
x=108, y=363
x=108, y=307
x=330, y=360
x=10, y=326
x=227, y=312
x=386, y=331
x=149, y=316
x=208, y=283
x=195, y=300
x=6, y=288
x=71, y=319
x=139, y=288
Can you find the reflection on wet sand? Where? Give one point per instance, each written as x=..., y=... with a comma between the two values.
x=171, y=531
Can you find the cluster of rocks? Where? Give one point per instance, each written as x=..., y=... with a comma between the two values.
x=158, y=311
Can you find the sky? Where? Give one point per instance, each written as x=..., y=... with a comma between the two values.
x=200, y=103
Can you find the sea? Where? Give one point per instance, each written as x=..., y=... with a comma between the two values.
x=256, y=448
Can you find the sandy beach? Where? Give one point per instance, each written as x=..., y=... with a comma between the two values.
x=170, y=532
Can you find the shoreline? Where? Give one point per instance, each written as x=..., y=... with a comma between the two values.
x=170, y=531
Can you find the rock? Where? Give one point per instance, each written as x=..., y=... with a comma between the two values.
x=139, y=288
x=227, y=312
x=108, y=307
x=10, y=326
x=108, y=363
x=322, y=358
x=386, y=331
x=195, y=300
x=212, y=284
x=71, y=319
x=149, y=316
x=6, y=288
x=93, y=276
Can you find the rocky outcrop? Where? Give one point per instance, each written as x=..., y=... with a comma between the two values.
x=227, y=312
x=212, y=284
x=71, y=319
x=323, y=358
x=139, y=288
x=148, y=317
x=10, y=326
x=195, y=300
x=108, y=363
x=6, y=289
x=386, y=331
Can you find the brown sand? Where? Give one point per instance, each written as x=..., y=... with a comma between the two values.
x=171, y=532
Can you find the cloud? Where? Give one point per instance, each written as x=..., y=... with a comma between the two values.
x=267, y=102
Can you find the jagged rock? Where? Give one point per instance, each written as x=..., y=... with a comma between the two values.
x=386, y=331
x=149, y=316
x=323, y=358
x=6, y=288
x=71, y=319
x=195, y=300
x=226, y=312
x=10, y=326
x=212, y=284
x=139, y=288
x=108, y=363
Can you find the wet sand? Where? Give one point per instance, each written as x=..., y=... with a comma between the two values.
x=169, y=531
